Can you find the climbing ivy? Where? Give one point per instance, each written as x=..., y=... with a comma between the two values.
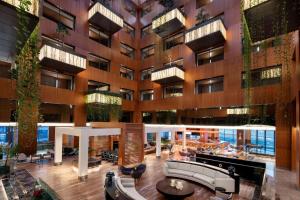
x=27, y=87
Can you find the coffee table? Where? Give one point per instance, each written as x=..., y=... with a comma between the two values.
x=169, y=192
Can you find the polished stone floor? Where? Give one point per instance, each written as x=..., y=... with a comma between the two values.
x=63, y=179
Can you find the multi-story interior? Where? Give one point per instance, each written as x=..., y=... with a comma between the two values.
x=222, y=73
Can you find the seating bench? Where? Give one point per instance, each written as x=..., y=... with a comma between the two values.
x=204, y=174
x=127, y=187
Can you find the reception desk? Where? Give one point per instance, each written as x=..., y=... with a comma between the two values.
x=247, y=169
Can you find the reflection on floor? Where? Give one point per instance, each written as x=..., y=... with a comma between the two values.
x=64, y=181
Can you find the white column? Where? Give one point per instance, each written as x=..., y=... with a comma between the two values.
x=158, y=144
x=184, y=140
x=83, y=156
x=173, y=133
x=145, y=138
x=58, y=148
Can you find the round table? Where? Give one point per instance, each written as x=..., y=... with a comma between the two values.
x=169, y=192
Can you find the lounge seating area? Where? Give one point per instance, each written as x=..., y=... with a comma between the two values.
x=207, y=175
x=127, y=186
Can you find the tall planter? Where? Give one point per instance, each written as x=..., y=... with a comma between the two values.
x=27, y=88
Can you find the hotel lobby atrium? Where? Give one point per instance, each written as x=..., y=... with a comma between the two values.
x=150, y=99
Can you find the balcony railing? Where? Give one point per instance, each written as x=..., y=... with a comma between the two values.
x=33, y=8
x=252, y=3
x=103, y=97
x=168, y=75
x=62, y=59
x=105, y=18
x=206, y=35
x=168, y=22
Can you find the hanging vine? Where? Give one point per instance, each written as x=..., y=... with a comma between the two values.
x=27, y=88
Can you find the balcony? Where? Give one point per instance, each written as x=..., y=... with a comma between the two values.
x=103, y=97
x=61, y=59
x=168, y=22
x=209, y=34
x=261, y=15
x=169, y=74
x=105, y=18
x=9, y=23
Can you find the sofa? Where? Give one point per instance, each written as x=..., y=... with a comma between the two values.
x=127, y=187
x=210, y=176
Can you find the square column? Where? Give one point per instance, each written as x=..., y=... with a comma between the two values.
x=173, y=133
x=184, y=140
x=158, y=144
x=83, y=156
x=58, y=148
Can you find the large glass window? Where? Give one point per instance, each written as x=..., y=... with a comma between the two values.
x=147, y=95
x=54, y=13
x=173, y=41
x=262, y=76
x=98, y=62
x=126, y=94
x=148, y=51
x=56, y=79
x=99, y=36
x=126, y=73
x=146, y=9
x=129, y=29
x=165, y=135
x=3, y=134
x=94, y=85
x=263, y=141
x=146, y=73
x=210, y=56
x=127, y=50
x=173, y=91
x=228, y=135
x=147, y=30
x=210, y=85
x=43, y=134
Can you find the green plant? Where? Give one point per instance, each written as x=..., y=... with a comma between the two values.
x=27, y=88
x=202, y=16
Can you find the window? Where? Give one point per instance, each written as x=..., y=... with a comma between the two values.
x=126, y=73
x=130, y=7
x=126, y=94
x=174, y=41
x=127, y=50
x=165, y=136
x=99, y=36
x=262, y=76
x=195, y=136
x=94, y=85
x=43, y=134
x=147, y=117
x=210, y=85
x=56, y=79
x=178, y=63
x=264, y=142
x=200, y=3
x=173, y=91
x=146, y=74
x=147, y=30
x=210, y=56
x=129, y=29
x=146, y=9
x=53, y=13
x=228, y=135
x=55, y=42
x=98, y=62
x=3, y=134
x=148, y=51
x=266, y=44
x=147, y=95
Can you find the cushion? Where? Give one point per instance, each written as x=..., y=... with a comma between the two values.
x=127, y=180
x=184, y=166
x=196, y=168
x=209, y=172
x=204, y=178
x=172, y=165
x=181, y=172
x=128, y=184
